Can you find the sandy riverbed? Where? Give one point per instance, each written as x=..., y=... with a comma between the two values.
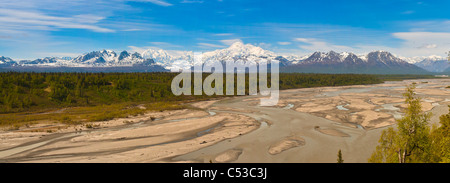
x=308, y=125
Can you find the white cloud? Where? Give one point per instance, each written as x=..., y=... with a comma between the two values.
x=229, y=42
x=423, y=43
x=429, y=46
x=33, y=25
x=131, y=30
x=68, y=7
x=208, y=45
x=424, y=36
x=223, y=34
x=157, y=2
x=137, y=49
x=266, y=46
x=427, y=26
x=284, y=43
x=165, y=45
x=24, y=20
x=191, y=1
x=58, y=54
x=317, y=45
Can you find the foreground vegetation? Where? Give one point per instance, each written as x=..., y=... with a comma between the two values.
x=413, y=140
x=79, y=97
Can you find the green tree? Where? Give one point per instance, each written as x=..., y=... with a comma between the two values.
x=410, y=141
x=70, y=99
x=79, y=88
x=440, y=141
x=340, y=160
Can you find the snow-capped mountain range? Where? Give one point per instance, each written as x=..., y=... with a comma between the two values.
x=238, y=51
x=414, y=60
x=166, y=58
x=434, y=63
x=377, y=62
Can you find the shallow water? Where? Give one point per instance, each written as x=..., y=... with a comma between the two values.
x=341, y=107
x=289, y=106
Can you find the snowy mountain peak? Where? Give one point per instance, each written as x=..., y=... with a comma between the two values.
x=383, y=56
x=160, y=56
x=432, y=63
x=107, y=58
x=238, y=51
x=435, y=58
x=4, y=60
x=123, y=55
x=237, y=45
x=331, y=56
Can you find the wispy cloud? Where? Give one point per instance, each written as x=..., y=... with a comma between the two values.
x=41, y=26
x=223, y=34
x=165, y=45
x=24, y=20
x=318, y=45
x=429, y=46
x=209, y=45
x=423, y=43
x=131, y=30
x=284, y=43
x=192, y=1
x=427, y=26
x=411, y=44
x=137, y=49
x=421, y=37
x=58, y=54
x=69, y=7
x=157, y=2
x=230, y=41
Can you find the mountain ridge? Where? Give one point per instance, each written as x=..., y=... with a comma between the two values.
x=328, y=62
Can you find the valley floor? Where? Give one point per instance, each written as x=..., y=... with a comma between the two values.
x=307, y=125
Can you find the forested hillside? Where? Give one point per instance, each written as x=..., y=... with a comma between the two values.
x=28, y=91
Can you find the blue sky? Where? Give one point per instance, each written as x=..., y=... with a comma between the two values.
x=34, y=29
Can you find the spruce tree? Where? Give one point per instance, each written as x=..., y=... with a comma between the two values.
x=340, y=160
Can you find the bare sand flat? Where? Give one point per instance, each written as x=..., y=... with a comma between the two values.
x=436, y=91
x=385, y=100
x=312, y=107
x=228, y=156
x=203, y=104
x=186, y=114
x=151, y=142
x=285, y=144
x=358, y=104
x=371, y=118
x=11, y=139
x=332, y=132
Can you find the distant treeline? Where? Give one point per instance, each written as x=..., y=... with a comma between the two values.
x=297, y=80
x=400, y=77
x=34, y=91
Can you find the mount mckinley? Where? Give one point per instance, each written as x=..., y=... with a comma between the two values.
x=151, y=60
